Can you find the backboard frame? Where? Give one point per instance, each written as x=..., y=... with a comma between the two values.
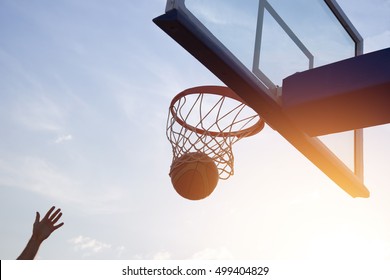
x=191, y=34
x=265, y=6
x=359, y=50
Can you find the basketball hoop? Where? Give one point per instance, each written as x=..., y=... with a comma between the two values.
x=209, y=120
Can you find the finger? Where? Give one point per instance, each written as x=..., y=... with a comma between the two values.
x=58, y=226
x=57, y=218
x=49, y=212
x=55, y=214
x=37, y=216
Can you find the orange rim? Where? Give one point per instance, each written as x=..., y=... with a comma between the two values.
x=216, y=90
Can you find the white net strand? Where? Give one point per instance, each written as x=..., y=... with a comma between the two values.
x=209, y=122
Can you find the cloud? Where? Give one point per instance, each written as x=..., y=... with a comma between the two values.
x=221, y=14
x=32, y=104
x=163, y=255
x=213, y=254
x=38, y=112
x=42, y=177
x=119, y=251
x=37, y=175
x=377, y=42
x=63, y=138
x=89, y=246
x=160, y=255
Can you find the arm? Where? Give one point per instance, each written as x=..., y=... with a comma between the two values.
x=41, y=230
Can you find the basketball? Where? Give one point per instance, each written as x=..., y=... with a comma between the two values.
x=194, y=175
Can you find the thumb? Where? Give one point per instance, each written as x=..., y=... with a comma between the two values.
x=37, y=217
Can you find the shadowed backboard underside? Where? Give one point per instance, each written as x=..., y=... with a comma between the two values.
x=253, y=46
x=341, y=102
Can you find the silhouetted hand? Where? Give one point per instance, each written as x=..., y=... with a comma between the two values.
x=42, y=229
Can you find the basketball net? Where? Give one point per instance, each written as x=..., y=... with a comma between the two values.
x=209, y=120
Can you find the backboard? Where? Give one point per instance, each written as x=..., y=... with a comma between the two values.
x=253, y=46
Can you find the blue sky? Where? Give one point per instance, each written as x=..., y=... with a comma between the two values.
x=84, y=93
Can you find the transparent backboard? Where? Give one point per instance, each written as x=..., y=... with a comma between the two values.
x=274, y=39
x=277, y=38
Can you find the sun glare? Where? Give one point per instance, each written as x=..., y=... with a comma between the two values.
x=348, y=246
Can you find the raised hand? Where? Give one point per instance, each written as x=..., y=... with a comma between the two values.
x=42, y=229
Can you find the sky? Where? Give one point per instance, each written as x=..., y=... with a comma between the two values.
x=84, y=93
